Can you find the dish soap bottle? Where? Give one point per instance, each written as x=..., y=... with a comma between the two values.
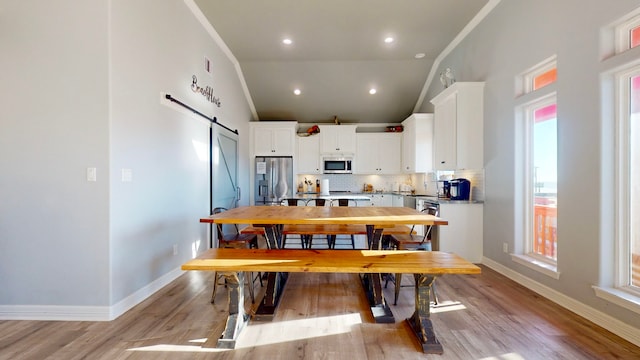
x=318, y=186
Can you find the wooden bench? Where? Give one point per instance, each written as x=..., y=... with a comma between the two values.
x=425, y=265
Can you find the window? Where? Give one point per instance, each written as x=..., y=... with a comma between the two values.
x=621, y=99
x=540, y=179
x=536, y=169
x=628, y=169
x=537, y=77
x=627, y=32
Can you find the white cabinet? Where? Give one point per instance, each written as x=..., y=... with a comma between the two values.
x=378, y=153
x=458, y=127
x=417, y=144
x=337, y=139
x=276, y=138
x=308, y=158
x=381, y=200
x=463, y=234
x=397, y=200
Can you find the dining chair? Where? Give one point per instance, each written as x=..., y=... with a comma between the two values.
x=411, y=241
x=236, y=240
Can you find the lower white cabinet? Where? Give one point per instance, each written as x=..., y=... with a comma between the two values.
x=463, y=234
x=397, y=200
x=385, y=200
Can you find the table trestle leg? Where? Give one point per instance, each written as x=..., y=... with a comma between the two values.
x=238, y=318
x=372, y=283
x=420, y=321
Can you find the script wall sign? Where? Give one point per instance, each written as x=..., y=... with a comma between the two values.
x=206, y=91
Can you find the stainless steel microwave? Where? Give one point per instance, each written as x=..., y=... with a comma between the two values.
x=335, y=165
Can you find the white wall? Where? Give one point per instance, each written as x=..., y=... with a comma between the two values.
x=54, y=225
x=515, y=36
x=86, y=92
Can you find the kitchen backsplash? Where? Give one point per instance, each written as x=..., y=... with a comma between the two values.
x=423, y=184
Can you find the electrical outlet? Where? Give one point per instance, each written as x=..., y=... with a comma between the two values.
x=505, y=247
x=175, y=249
x=127, y=175
x=91, y=174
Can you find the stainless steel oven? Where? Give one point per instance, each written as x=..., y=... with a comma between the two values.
x=424, y=203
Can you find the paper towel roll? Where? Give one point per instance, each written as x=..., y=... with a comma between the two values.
x=324, y=187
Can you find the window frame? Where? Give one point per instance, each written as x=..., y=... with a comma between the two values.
x=524, y=116
x=622, y=181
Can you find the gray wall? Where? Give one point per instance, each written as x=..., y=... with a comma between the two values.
x=82, y=86
x=515, y=36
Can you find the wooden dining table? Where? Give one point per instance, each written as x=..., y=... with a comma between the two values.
x=272, y=218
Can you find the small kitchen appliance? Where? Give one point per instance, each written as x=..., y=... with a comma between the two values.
x=460, y=189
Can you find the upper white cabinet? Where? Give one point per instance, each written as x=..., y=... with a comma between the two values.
x=378, y=153
x=274, y=138
x=309, y=155
x=458, y=127
x=337, y=139
x=417, y=144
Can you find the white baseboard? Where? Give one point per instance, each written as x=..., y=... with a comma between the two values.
x=86, y=313
x=599, y=318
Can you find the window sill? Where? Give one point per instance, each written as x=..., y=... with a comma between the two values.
x=619, y=297
x=537, y=265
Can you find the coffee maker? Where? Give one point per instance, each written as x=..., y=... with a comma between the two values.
x=460, y=189
x=444, y=189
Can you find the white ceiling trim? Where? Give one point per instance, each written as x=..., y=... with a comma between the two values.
x=218, y=40
x=455, y=42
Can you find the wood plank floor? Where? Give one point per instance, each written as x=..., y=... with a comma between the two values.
x=325, y=316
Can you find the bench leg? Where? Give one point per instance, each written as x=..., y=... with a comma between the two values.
x=420, y=321
x=237, y=318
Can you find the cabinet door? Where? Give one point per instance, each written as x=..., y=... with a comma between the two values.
x=409, y=145
x=309, y=155
x=378, y=153
x=337, y=139
x=270, y=140
x=445, y=133
x=397, y=200
x=389, y=154
x=366, y=161
x=282, y=141
x=463, y=234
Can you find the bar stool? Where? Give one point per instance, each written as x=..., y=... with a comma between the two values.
x=343, y=202
x=285, y=232
x=412, y=242
x=317, y=202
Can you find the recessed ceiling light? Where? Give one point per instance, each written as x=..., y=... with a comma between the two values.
x=287, y=41
x=297, y=91
x=420, y=55
x=388, y=40
x=372, y=91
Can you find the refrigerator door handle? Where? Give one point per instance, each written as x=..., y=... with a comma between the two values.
x=239, y=193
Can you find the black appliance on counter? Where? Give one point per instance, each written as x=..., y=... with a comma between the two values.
x=460, y=189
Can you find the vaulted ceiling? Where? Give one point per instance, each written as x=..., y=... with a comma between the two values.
x=337, y=53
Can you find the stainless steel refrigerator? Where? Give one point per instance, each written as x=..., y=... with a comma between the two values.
x=274, y=179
